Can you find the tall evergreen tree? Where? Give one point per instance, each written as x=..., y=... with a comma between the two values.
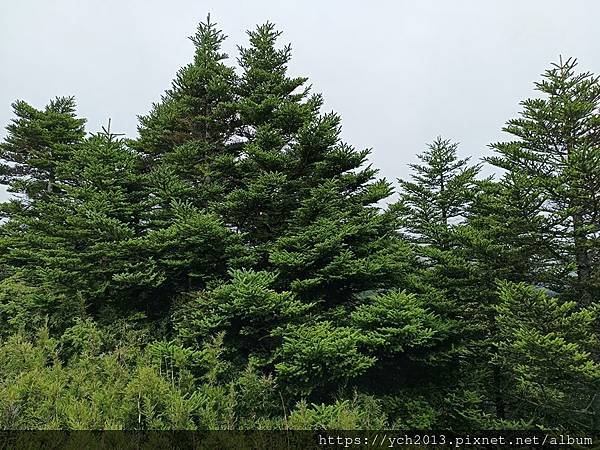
x=37, y=141
x=433, y=209
x=557, y=149
x=438, y=195
x=305, y=195
x=69, y=243
x=548, y=348
x=188, y=138
x=298, y=181
x=188, y=146
x=273, y=109
x=197, y=109
x=500, y=241
x=305, y=203
x=521, y=229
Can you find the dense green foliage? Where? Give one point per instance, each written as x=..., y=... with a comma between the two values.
x=233, y=266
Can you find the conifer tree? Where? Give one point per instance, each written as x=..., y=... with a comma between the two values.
x=557, y=149
x=188, y=146
x=548, y=348
x=499, y=242
x=438, y=195
x=521, y=228
x=90, y=245
x=37, y=141
x=69, y=243
x=197, y=108
x=306, y=205
x=246, y=309
x=300, y=185
x=133, y=268
x=433, y=209
x=273, y=109
x=187, y=140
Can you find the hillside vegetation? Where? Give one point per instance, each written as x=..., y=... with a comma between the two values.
x=232, y=267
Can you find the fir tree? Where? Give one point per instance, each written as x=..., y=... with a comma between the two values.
x=247, y=310
x=520, y=228
x=273, y=109
x=438, y=195
x=557, y=149
x=197, y=109
x=37, y=141
x=306, y=204
x=433, y=209
x=187, y=143
x=549, y=350
x=188, y=139
x=69, y=243
x=300, y=186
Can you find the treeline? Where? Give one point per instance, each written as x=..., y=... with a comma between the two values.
x=232, y=266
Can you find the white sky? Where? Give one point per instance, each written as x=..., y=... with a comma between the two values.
x=398, y=72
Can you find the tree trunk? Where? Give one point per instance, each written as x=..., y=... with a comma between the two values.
x=582, y=258
x=51, y=180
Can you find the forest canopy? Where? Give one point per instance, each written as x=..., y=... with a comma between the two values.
x=232, y=266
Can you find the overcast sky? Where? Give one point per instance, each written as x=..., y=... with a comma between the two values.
x=399, y=72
